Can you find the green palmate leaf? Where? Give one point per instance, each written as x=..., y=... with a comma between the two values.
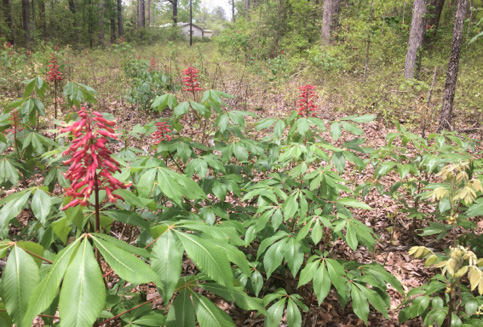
x=293, y=255
x=335, y=131
x=83, y=293
x=354, y=129
x=32, y=248
x=236, y=256
x=241, y=298
x=359, y=303
x=13, y=206
x=127, y=217
x=45, y=292
x=361, y=119
x=208, y=314
x=384, y=168
x=19, y=278
x=374, y=298
x=166, y=262
x=257, y=282
x=337, y=277
x=8, y=172
x=41, y=203
x=321, y=283
x=476, y=209
x=124, y=264
x=275, y=314
x=123, y=245
x=181, y=312
x=339, y=161
x=181, y=108
x=349, y=202
x=294, y=318
x=210, y=259
x=351, y=236
x=274, y=256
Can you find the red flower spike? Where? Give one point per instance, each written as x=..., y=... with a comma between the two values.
x=15, y=123
x=161, y=134
x=54, y=74
x=152, y=65
x=91, y=160
x=190, y=80
x=306, y=106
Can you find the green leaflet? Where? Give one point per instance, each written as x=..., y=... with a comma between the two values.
x=83, y=293
x=19, y=278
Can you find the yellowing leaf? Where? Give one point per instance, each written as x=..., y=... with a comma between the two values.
x=431, y=260
x=475, y=277
x=461, y=272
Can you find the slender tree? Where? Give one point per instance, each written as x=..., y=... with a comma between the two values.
x=452, y=73
x=120, y=25
x=330, y=19
x=416, y=35
x=434, y=14
x=43, y=24
x=149, y=13
x=232, y=10
x=191, y=22
x=174, y=4
x=101, y=22
x=26, y=20
x=141, y=14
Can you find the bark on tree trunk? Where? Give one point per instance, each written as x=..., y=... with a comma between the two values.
x=32, y=20
x=232, y=10
x=26, y=20
x=141, y=14
x=435, y=10
x=112, y=21
x=191, y=22
x=101, y=22
x=452, y=73
x=120, y=27
x=415, y=37
x=43, y=25
x=8, y=19
x=149, y=13
x=330, y=19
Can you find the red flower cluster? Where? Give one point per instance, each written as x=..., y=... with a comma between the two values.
x=306, y=105
x=190, y=80
x=15, y=123
x=152, y=65
x=89, y=153
x=54, y=74
x=9, y=44
x=161, y=134
x=122, y=39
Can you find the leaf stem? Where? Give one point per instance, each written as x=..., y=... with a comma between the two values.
x=123, y=313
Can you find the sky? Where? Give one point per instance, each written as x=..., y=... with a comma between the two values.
x=211, y=4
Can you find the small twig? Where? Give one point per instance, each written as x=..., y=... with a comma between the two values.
x=127, y=311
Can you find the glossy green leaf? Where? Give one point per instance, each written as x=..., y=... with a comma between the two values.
x=274, y=256
x=321, y=283
x=359, y=303
x=41, y=204
x=210, y=259
x=349, y=202
x=337, y=273
x=335, y=131
x=19, y=278
x=275, y=313
x=181, y=312
x=208, y=314
x=294, y=318
x=124, y=264
x=45, y=292
x=166, y=262
x=83, y=293
x=123, y=245
x=8, y=172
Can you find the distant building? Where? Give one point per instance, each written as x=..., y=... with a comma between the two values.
x=197, y=31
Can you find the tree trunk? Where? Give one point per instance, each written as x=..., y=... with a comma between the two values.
x=120, y=27
x=32, y=20
x=7, y=19
x=368, y=45
x=101, y=22
x=191, y=22
x=149, y=13
x=141, y=14
x=434, y=16
x=26, y=20
x=112, y=21
x=415, y=37
x=43, y=25
x=175, y=11
x=90, y=24
x=330, y=19
x=232, y=10
x=452, y=74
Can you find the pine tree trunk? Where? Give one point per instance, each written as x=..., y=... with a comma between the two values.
x=149, y=13
x=113, y=28
x=101, y=22
x=415, y=37
x=452, y=73
x=120, y=27
x=26, y=20
x=330, y=19
x=141, y=14
x=43, y=25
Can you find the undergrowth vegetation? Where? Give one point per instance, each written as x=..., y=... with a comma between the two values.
x=108, y=221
